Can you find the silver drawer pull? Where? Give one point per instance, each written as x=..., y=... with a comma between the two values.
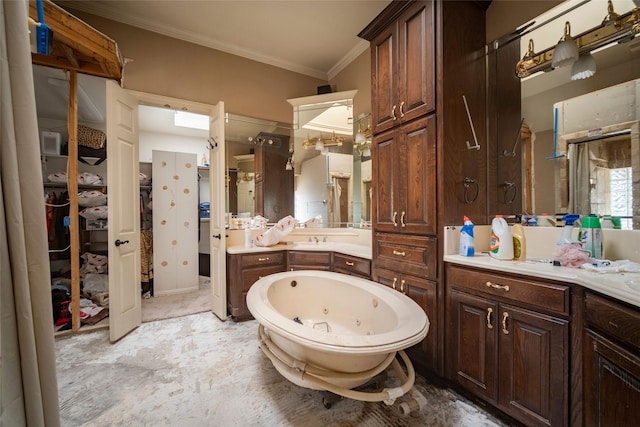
x=349, y=263
x=263, y=259
x=495, y=286
x=399, y=253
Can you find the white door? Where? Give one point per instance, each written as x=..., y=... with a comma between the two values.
x=218, y=263
x=123, y=185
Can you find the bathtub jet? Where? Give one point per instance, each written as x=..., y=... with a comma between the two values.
x=335, y=332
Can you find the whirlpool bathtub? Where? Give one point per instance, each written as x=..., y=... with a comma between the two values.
x=331, y=331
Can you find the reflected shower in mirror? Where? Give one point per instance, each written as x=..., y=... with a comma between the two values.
x=323, y=158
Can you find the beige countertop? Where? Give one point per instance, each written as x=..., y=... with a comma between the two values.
x=621, y=286
x=362, y=251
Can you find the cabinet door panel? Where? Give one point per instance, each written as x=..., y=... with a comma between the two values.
x=383, y=79
x=416, y=62
x=611, y=383
x=472, y=347
x=423, y=292
x=534, y=368
x=418, y=181
x=384, y=172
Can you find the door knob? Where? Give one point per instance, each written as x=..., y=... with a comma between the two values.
x=121, y=242
x=217, y=236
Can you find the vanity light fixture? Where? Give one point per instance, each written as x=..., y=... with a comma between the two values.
x=614, y=29
x=612, y=17
x=566, y=52
x=320, y=143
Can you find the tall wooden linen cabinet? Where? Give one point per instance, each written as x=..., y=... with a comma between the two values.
x=428, y=79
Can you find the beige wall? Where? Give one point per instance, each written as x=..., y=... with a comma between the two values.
x=357, y=76
x=166, y=66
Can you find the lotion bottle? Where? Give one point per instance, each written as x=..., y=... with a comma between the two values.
x=519, y=243
x=247, y=236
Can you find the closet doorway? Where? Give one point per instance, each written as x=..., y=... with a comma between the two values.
x=174, y=167
x=162, y=128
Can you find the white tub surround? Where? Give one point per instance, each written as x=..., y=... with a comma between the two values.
x=619, y=244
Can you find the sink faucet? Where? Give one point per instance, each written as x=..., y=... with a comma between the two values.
x=324, y=239
x=317, y=241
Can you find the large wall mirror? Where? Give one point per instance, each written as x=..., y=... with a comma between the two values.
x=330, y=160
x=608, y=55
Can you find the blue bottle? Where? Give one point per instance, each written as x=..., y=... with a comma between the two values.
x=466, y=238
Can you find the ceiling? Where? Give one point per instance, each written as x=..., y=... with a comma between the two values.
x=312, y=37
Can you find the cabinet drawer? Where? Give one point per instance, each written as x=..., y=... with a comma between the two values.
x=309, y=258
x=616, y=320
x=410, y=254
x=537, y=294
x=249, y=277
x=351, y=265
x=263, y=258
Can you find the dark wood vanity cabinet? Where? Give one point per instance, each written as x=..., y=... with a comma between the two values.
x=423, y=292
x=352, y=265
x=243, y=270
x=507, y=341
x=402, y=63
x=422, y=64
x=611, y=363
x=309, y=260
x=404, y=177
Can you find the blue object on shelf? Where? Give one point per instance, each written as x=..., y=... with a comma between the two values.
x=205, y=210
x=44, y=35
